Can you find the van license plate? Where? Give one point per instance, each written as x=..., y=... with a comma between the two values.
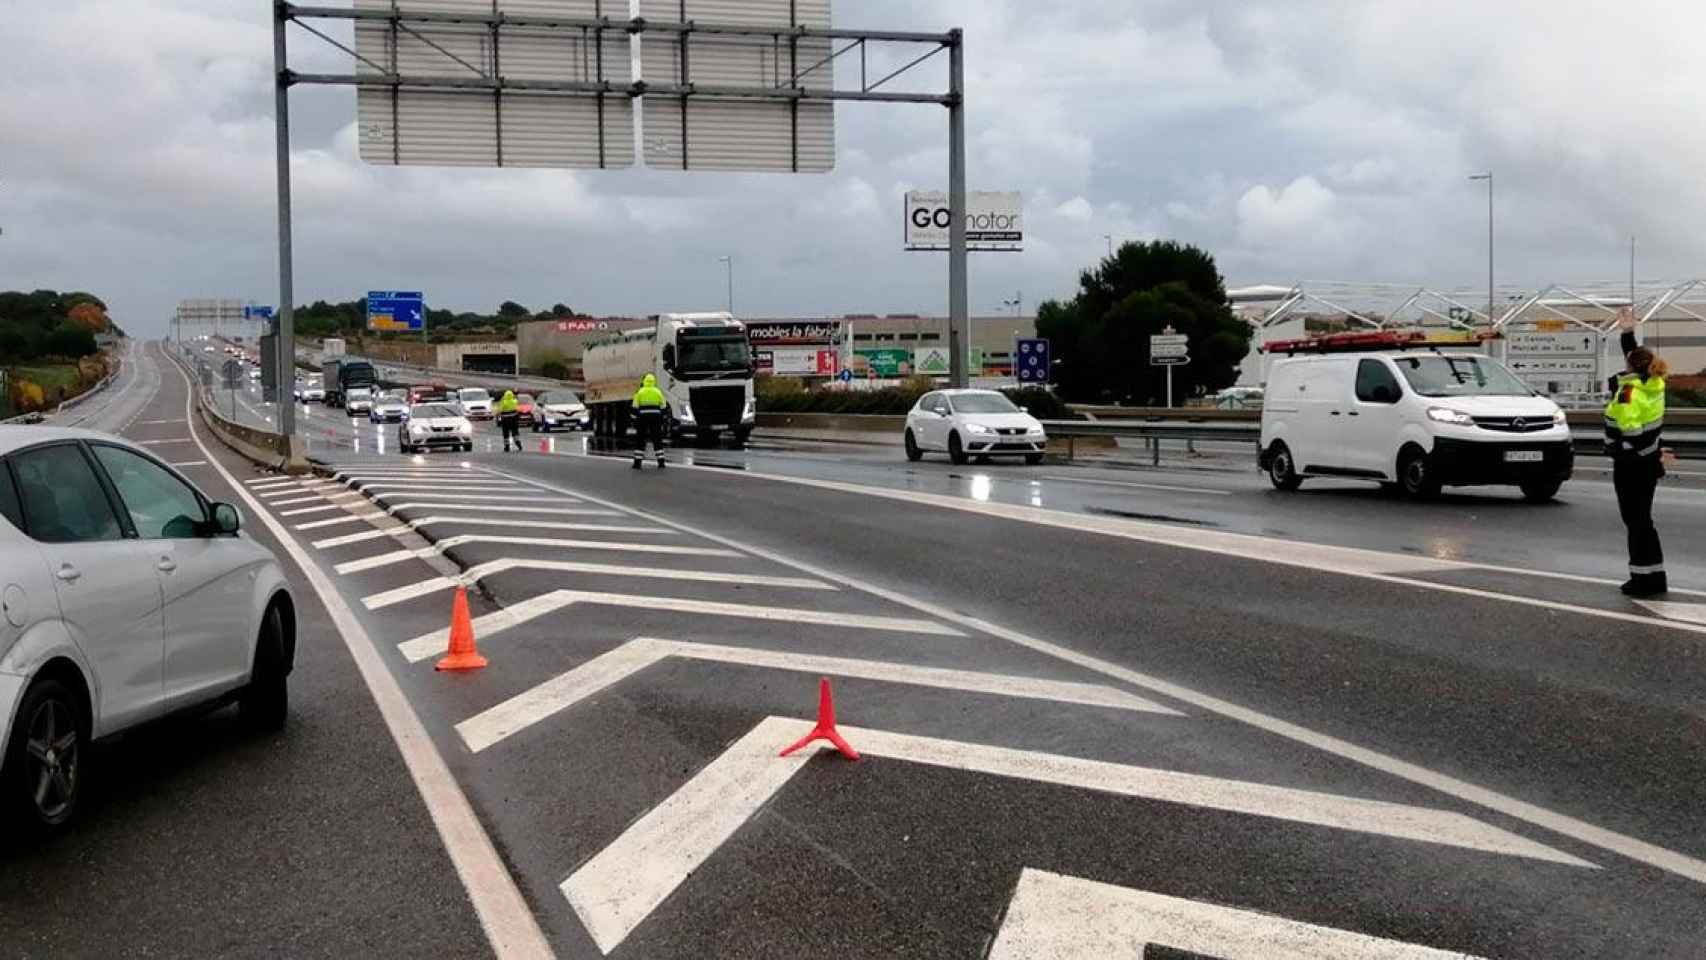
x=1524, y=456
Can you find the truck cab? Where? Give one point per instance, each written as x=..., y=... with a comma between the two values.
x=703, y=365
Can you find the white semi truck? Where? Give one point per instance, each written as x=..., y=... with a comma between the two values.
x=703, y=364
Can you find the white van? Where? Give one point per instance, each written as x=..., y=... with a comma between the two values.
x=1419, y=419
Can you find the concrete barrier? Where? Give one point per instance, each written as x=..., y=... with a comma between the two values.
x=263, y=447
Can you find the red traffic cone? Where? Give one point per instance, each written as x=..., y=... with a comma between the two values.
x=825, y=729
x=463, y=654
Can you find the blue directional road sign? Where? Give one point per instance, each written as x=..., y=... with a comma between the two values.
x=1030, y=363
x=257, y=313
x=845, y=376
x=397, y=311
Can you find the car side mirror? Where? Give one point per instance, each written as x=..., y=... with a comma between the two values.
x=1024, y=409
x=226, y=519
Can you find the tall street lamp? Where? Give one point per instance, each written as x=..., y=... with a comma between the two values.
x=729, y=261
x=1110, y=238
x=1488, y=176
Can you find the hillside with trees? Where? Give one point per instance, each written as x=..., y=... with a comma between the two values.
x=47, y=346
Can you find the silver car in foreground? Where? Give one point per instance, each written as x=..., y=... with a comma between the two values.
x=127, y=596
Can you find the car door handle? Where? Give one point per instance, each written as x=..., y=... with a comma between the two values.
x=1355, y=414
x=68, y=573
x=166, y=565
x=1335, y=413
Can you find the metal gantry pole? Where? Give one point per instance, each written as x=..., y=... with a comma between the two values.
x=286, y=353
x=958, y=295
x=1490, y=318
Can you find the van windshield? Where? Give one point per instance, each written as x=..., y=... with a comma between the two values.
x=1460, y=376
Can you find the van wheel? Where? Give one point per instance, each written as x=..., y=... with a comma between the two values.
x=956, y=452
x=913, y=451
x=1416, y=476
x=1282, y=470
x=44, y=761
x=1541, y=491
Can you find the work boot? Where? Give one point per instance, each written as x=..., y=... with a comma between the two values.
x=1646, y=585
x=636, y=463
x=662, y=463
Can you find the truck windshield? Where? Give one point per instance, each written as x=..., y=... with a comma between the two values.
x=1460, y=376
x=708, y=354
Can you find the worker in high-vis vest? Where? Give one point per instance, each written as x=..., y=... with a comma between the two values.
x=509, y=419
x=651, y=413
x=1634, y=424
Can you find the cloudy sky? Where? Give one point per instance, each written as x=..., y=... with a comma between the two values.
x=1295, y=139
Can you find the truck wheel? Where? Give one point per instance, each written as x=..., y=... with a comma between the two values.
x=1541, y=491
x=1416, y=475
x=1282, y=470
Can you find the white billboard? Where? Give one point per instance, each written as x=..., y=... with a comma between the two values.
x=994, y=221
x=709, y=133
x=480, y=126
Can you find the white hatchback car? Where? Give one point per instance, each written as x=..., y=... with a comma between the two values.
x=973, y=423
x=127, y=596
x=437, y=424
x=476, y=404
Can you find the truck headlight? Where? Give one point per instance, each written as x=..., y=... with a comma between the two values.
x=1448, y=415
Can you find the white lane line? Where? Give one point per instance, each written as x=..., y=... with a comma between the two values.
x=621, y=885
x=146, y=423
x=537, y=525
x=400, y=556
x=509, y=924
x=1207, y=492
x=156, y=443
x=302, y=511
x=324, y=498
x=1691, y=612
x=272, y=493
x=188, y=463
x=479, y=572
x=268, y=481
x=361, y=537
x=1571, y=577
x=435, y=643
x=458, y=498
x=541, y=511
x=1621, y=844
x=553, y=696
x=352, y=518
x=1054, y=917
x=471, y=488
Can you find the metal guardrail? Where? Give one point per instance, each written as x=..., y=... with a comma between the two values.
x=1689, y=444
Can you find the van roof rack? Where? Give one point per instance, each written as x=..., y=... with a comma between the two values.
x=1371, y=340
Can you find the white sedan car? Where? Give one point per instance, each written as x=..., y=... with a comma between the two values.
x=560, y=410
x=435, y=425
x=972, y=423
x=475, y=403
x=128, y=596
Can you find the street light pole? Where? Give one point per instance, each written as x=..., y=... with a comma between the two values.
x=1488, y=176
x=730, y=261
x=1110, y=238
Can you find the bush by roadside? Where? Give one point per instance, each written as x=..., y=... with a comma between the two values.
x=789, y=395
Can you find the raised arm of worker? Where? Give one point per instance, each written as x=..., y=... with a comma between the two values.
x=1626, y=326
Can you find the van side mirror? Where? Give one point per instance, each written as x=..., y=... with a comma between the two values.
x=669, y=356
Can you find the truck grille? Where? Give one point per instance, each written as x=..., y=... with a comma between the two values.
x=718, y=406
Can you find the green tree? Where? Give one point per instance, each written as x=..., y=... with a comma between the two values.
x=1100, y=338
x=512, y=311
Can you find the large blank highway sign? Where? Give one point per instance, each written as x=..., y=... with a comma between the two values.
x=729, y=134
x=481, y=127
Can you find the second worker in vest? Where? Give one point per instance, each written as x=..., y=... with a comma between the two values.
x=651, y=417
x=1634, y=422
x=509, y=420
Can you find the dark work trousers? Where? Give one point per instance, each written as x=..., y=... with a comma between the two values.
x=510, y=423
x=1635, y=479
x=648, y=428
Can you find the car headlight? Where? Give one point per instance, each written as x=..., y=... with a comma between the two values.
x=1035, y=431
x=418, y=428
x=1559, y=418
x=978, y=428
x=465, y=428
x=1448, y=415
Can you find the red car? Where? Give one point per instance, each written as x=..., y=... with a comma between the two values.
x=427, y=392
x=524, y=408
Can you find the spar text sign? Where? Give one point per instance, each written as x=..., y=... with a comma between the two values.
x=994, y=221
x=396, y=311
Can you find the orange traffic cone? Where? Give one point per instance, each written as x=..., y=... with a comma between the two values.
x=825, y=729
x=463, y=655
